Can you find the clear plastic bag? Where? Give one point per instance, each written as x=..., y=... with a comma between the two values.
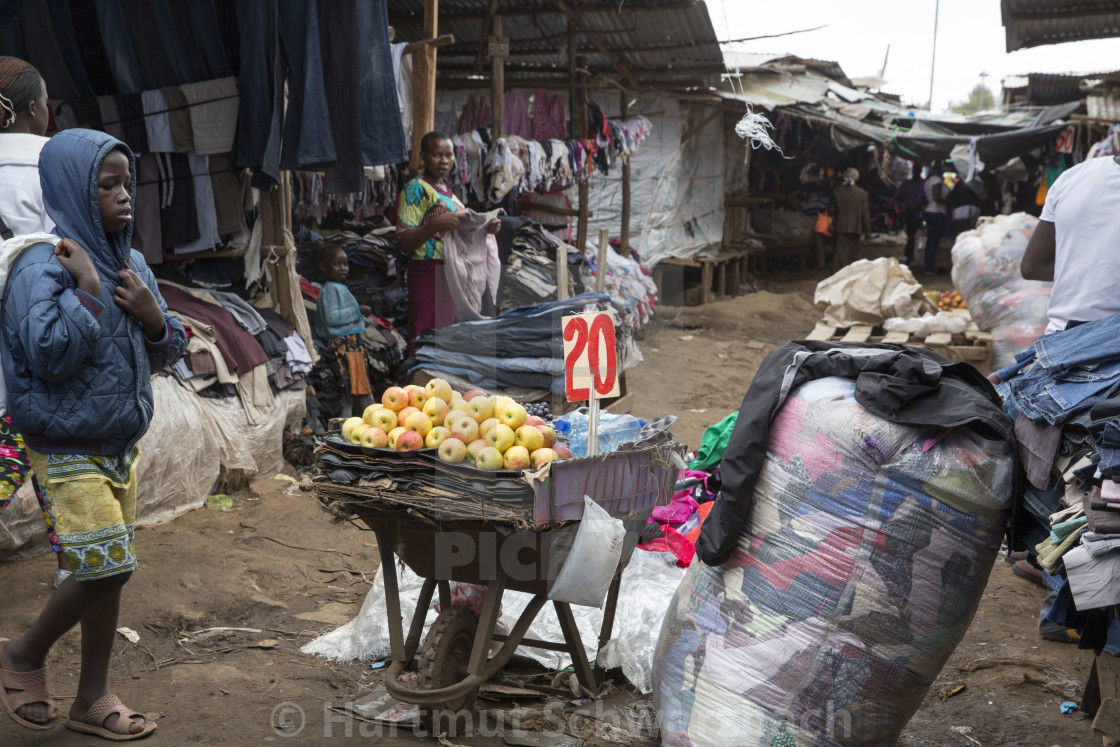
x=986, y=271
x=865, y=558
x=590, y=566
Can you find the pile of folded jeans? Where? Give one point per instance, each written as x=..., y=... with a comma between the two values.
x=1064, y=393
x=522, y=348
x=529, y=272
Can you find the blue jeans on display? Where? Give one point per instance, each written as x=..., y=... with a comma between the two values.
x=260, y=113
x=118, y=46
x=307, y=141
x=1064, y=372
x=383, y=138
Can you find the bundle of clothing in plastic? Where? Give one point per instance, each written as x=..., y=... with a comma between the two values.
x=522, y=348
x=236, y=349
x=628, y=283
x=986, y=262
x=865, y=493
x=1064, y=393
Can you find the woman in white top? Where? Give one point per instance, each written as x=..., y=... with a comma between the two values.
x=24, y=117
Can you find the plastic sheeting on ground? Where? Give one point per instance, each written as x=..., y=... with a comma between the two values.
x=647, y=586
x=986, y=271
x=869, y=291
x=865, y=558
x=191, y=439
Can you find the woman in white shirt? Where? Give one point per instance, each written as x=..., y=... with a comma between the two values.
x=24, y=117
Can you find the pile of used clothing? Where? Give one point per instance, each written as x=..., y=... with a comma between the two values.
x=235, y=349
x=865, y=494
x=527, y=252
x=1064, y=394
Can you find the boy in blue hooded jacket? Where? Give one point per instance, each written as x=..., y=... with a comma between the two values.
x=82, y=327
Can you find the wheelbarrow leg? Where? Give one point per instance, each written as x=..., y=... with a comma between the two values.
x=444, y=595
x=487, y=619
x=607, y=628
x=392, y=598
x=423, y=603
x=575, y=647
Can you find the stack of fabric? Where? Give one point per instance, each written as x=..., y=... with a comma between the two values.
x=1064, y=392
x=522, y=348
x=236, y=349
x=529, y=267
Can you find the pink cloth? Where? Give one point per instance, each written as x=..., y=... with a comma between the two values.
x=515, y=116
x=682, y=505
x=473, y=268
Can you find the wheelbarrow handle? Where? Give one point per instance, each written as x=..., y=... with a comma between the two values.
x=687, y=483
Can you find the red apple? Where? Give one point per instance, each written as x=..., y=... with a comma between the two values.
x=417, y=397
x=535, y=420
x=549, y=436
x=475, y=447
x=542, y=456
x=474, y=393
x=563, y=451
x=395, y=398
x=410, y=441
x=394, y=435
x=418, y=422
x=517, y=457
x=403, y=414
x=375, y=438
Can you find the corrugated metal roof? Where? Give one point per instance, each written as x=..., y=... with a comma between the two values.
x=1033, y=23
x=663, y=43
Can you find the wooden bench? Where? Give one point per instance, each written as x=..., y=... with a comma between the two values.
x=698, y=281
x=973, y=346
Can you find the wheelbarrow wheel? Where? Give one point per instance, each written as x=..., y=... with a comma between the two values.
x=446, y=653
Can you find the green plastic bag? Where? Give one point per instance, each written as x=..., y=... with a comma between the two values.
x=714, y=444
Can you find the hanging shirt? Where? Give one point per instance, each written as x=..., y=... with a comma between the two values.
x=421, y=201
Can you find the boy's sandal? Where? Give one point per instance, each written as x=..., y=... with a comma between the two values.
x=99, y=713
x=18, y=689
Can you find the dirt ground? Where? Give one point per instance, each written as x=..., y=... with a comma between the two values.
x=276, y=563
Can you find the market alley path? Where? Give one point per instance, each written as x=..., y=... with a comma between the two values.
x=279, y=564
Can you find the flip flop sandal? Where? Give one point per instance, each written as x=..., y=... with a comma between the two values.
x=18, y=689
x=1022, y=569
x=99, y=712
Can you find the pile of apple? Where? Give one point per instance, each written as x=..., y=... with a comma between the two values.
x=493, y=433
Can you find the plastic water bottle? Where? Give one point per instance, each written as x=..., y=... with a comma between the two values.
x=614, y=430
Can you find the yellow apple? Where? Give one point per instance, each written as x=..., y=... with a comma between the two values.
x=549, y=435
x=418, y=422
x=436, y=436
x=368, y=414
x=403, y=414
x=489, y=459
x=436, y=409
x=476, y=446
x=513, y=415
x=485, y=426
x=459, y=405
x=359, y=429
x=529, y=437
x=517, y=457
x=541, y=456
x=348, y=427
x=464, y=428
x=393, y=434
x=417, y=397
x=452, y=451
x=439, y=388
x=480, y=408
x=385, y=419
x=501, y=437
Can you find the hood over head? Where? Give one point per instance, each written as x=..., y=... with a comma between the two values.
x=69, y=165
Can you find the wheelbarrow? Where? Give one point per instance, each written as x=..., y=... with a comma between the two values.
x=455, y=655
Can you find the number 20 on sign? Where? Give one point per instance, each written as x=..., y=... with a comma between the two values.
x=590, y=357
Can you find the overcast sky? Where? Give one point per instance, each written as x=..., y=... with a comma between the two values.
x=970, y=41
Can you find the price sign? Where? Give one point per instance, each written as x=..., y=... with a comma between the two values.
x=590, y=357
x=1064, y=143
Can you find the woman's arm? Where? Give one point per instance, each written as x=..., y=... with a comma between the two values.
x=412, y=239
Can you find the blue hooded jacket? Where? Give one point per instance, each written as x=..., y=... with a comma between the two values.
x=77, y=367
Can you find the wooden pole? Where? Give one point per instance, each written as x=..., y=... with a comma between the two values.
x=424, y=82
x=497, y=82
x=624, y=235
x=601, y=263
x=562, y=272
x=581, y=133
